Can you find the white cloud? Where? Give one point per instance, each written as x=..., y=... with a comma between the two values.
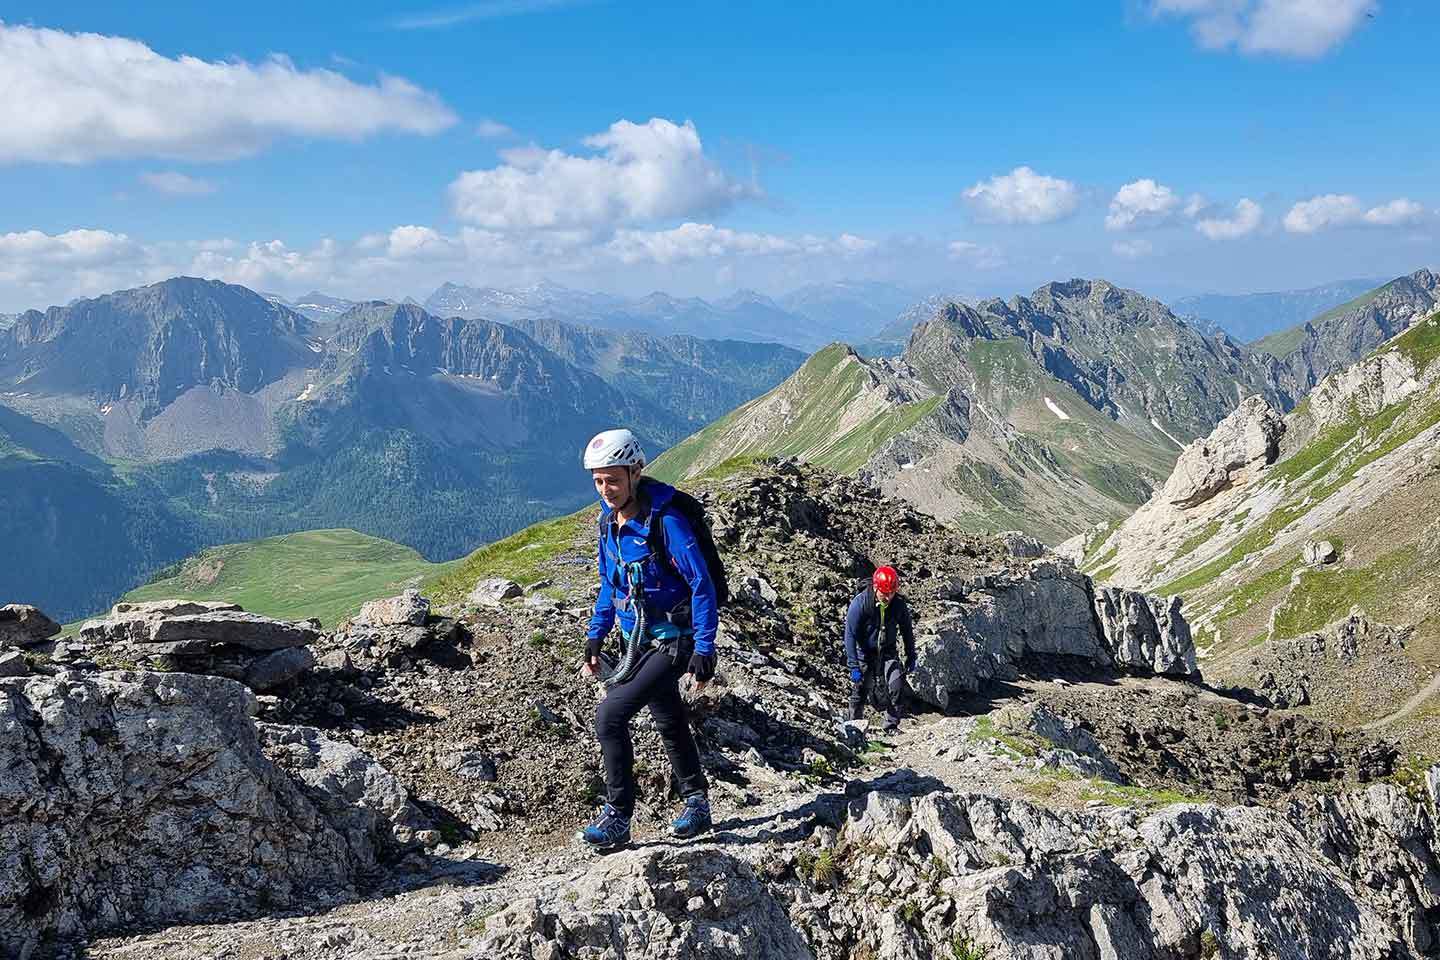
x=1317, y=213
x=980, y=255
x=421, y=243
x=1023, y=196
x=81, y=97
x=1141, y=203
x=642, y=173
x=1133, y=249
x=1343, y=210
x=702, y=241
x=493, y=130
x=1245, y=220
x=1297, y=28
x=487, y=10
x=177, y=184
x=1396, y=213
x=75, y=247
x=263, y=265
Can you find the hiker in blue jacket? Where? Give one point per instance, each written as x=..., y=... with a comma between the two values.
x=876, y=615
x=665, y=600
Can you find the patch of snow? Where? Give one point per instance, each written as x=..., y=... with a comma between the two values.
x=105, y=408
x=1055, y=409
x=907, y=466
x=315, y=346
x=305, y=394
x=1156, y=424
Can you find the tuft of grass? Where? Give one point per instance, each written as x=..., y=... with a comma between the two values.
x=963, y=948
x=1409, y=775
x=1021, y=744
x=1117, y=795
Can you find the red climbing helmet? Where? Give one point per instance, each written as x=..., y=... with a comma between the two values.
x=886, y=581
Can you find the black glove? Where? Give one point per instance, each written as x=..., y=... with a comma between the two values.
x=702, y=666
x=592, y=648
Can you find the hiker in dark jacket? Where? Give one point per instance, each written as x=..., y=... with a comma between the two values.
x=667, y=606
x=876, y=616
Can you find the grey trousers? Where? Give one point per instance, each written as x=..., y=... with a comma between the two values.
x=882, y=687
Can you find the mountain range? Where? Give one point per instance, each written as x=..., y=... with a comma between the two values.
x=1046, y=413
x=1249, y=316
x=142, y=425
x=806, y=319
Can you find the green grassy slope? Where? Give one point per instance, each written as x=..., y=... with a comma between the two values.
x=320, y=573
x=821, y=392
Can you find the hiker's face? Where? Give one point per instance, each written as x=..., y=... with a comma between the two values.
x=614, y=484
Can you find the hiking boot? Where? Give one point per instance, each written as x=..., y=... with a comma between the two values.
x=694, y=819
x=892, y=726
x=610, y=831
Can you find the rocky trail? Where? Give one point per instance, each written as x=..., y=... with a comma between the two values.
x=1407, y=708
x=191, y=781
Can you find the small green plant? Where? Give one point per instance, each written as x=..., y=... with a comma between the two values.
x=826, y=871
x=963, y=948
x=911, y=913
x=538, y=640
x=820, y=768
x=1222, y=722
x=1209, y=946
x=1409, y=775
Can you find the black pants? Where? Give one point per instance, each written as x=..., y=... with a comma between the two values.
x=656, y=682
x=884, y=688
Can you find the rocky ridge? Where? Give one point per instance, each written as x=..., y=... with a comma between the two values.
x=1046, y=412
x=1074, y=795
x=1274, y=529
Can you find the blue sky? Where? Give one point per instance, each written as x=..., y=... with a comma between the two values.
x=971, y=148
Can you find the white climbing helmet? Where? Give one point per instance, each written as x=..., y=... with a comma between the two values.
x=614, y=448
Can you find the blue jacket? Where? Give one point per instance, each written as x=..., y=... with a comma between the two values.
x=666, y=585
x=863, y=639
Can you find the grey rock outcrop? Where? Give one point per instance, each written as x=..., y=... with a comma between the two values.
x=149, y=631
x=1319, y=553
x=408, y=608
x=490, y=593
x=984, y=630
x=1021, y=545
x=1250, y=434
x=22, y=625
x=1145, y=634
x=908, y=870
x=1024, y=882
x=12, y=664
x=210, y=638
x=363, y=800
x=178, y=816
x=278, y=668
x=701, y=903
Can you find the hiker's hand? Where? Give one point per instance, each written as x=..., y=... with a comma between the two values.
x=592, y=655
x=592, y=667
x=702, y=668
x=910, y=663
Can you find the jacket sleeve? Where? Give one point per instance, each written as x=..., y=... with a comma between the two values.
x=907, y=629
x=684, y=551
x=603, y=617
x=853, y=626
